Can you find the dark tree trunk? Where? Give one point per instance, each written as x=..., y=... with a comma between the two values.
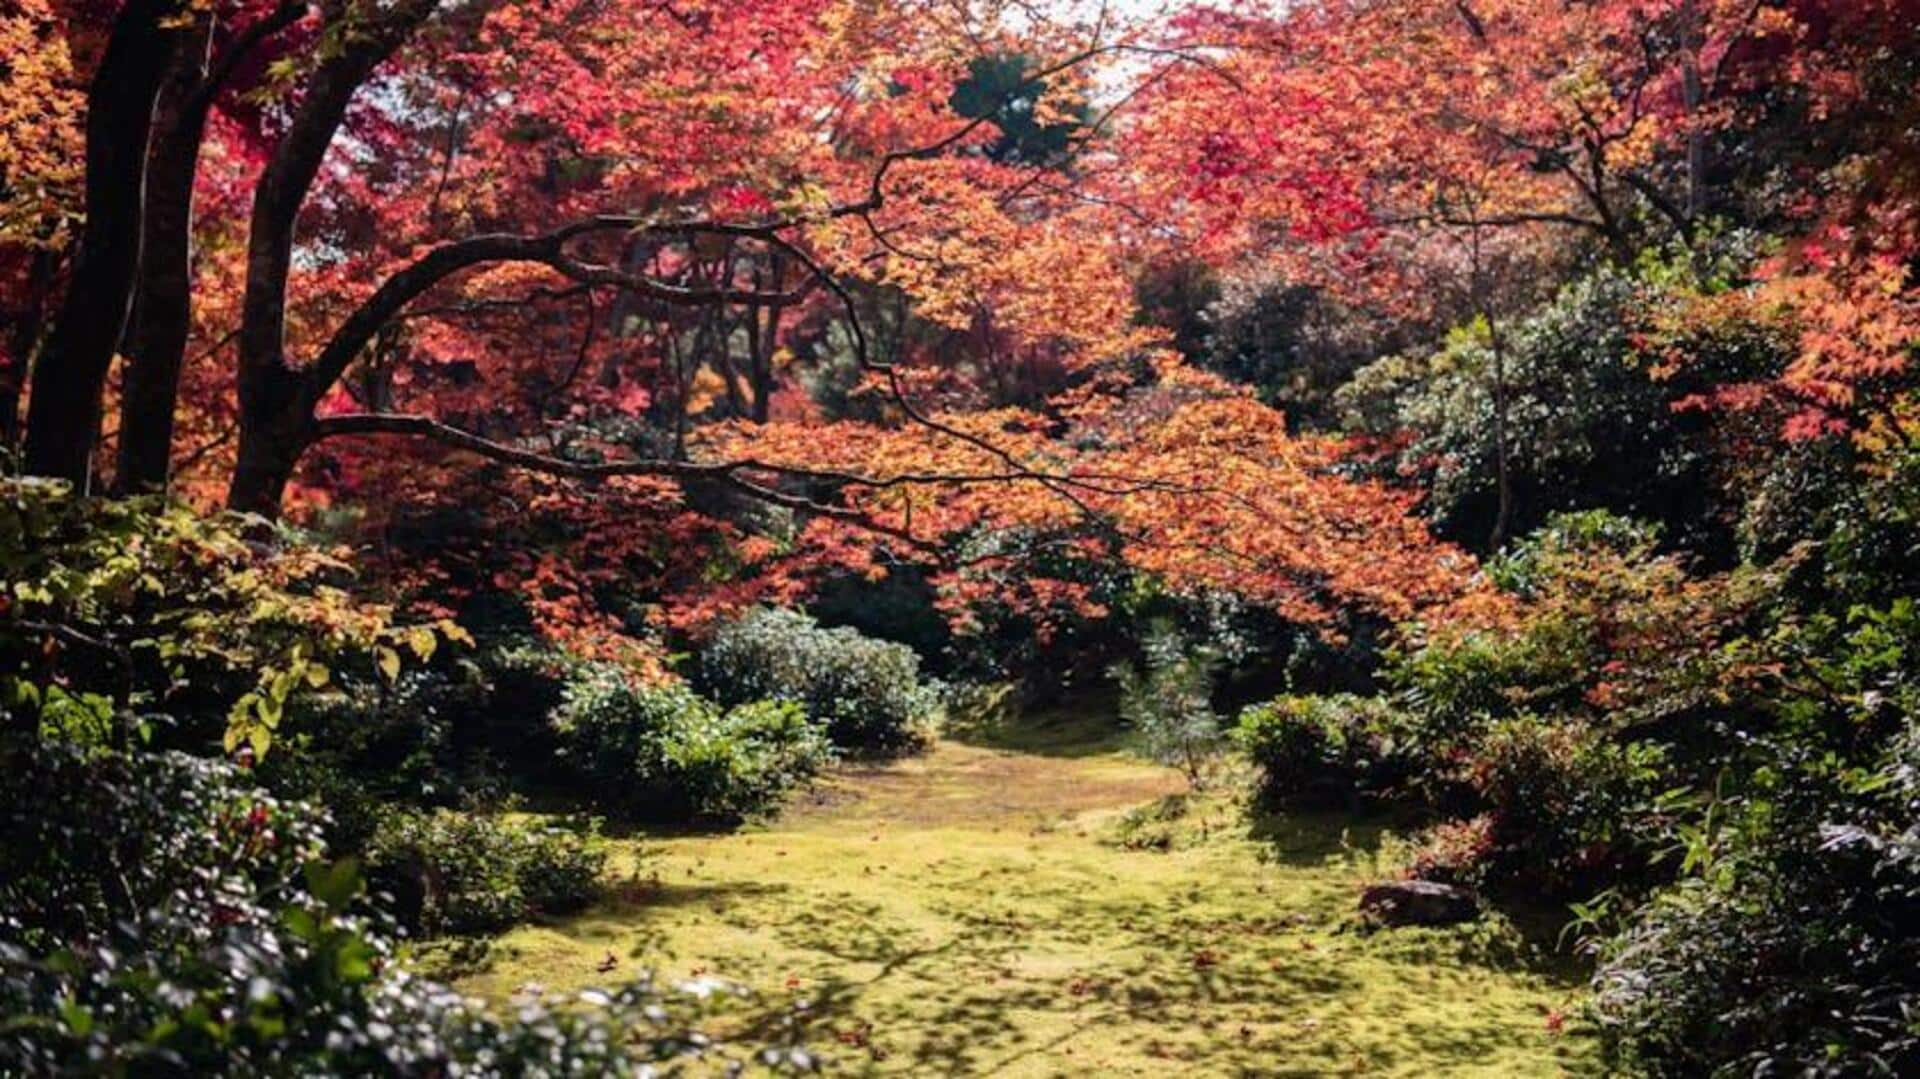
x=277, y=398
x=764, y=345
x=1503, y=465
x=22, y=340
x=267, y=456
x=163, y=304
x=63, y=420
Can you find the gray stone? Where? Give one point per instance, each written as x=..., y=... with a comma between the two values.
x=1419, y=902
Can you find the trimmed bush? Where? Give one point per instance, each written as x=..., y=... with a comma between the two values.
x=665, y=753
x=867, y=693
x=460, y=873
x=1327, y=751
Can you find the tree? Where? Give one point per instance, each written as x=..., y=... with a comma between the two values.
x=70, y=373
x=596, y=276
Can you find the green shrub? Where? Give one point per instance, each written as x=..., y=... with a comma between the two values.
x=867, y=693
x=1327, y=751
x=1455, y=852
x=524, y=683
x=1586, y=423
x=371, y=740
x=460, y=873
x=121, y=609
x=562, y=869
x=1791, y=948
x=1455, y=683
x=159, y=917
x=1570, y=812
x=463, y=731
x=98, y=842
x=664, y=752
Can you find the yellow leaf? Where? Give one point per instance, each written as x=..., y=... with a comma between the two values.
x=388, y=661
x=422, y=641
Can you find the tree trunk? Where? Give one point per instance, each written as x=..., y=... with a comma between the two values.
x=1693, y=95
x=26, y=323
x=764, y=348
x=1503, y=466
x=163, y=304
x=267, y=457
x=63, y=419
x=277, y=398
x=1497, y=345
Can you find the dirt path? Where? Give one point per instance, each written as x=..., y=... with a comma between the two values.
x=990, y=912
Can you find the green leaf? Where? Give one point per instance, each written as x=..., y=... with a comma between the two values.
x=78, y=1019
x=334, y=885
x=354, y=960
x=301, y=923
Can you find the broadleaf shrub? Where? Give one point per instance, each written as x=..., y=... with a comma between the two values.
x=663, y=752
x=1568, y=812
x=460, y=873
x=1794, y=945
x=121, y=609
x=1568, y=729
x=1586, y=423
x=168, y=919
x=867, y=693
x=1327, y=751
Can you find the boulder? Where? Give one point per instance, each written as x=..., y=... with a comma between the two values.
x=1419, y=902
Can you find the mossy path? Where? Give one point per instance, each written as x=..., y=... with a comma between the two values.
x=974, y=912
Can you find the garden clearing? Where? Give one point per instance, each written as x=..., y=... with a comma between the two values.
x=1047, y=904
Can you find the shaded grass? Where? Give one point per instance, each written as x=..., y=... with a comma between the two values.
x=1084, y=728
x=970, y=913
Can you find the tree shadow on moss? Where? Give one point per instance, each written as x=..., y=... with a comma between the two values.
x=1309, y=838
x=1086, y=726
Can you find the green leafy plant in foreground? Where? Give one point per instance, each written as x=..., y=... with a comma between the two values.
x=161, y=917
x=115, y=611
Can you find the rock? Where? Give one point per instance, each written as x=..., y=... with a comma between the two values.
x=1419, y=902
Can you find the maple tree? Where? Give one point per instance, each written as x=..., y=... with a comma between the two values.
x=605, y=356
x=871, y=264
x=566, y=241
x=1503, y=131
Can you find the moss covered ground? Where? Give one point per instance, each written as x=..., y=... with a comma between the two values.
x=1045, y=903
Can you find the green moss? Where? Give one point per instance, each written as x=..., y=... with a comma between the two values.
x=968, y=913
